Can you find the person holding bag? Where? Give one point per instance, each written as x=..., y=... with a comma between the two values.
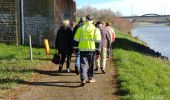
x=63, y=44
x=56, y=58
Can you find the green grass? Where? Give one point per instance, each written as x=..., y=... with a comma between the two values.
x=15, y=66
x=141, y=75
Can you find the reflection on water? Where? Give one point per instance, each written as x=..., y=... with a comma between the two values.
x=157, y=37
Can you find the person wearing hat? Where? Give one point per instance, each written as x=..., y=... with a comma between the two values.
x=63, y=44
x=87, y=39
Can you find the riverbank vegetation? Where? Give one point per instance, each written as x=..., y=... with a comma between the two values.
x=107, y=15
x=141, y=75
x=15, y=66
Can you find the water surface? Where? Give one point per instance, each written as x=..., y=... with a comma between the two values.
x=156, y=36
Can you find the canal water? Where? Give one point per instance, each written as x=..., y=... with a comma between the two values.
x=156, y=36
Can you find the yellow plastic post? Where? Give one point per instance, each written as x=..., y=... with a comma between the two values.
x=47, y=49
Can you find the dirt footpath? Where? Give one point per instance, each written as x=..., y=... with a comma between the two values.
x=66, y=86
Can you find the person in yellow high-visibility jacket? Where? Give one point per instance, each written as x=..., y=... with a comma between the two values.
x=87, y=39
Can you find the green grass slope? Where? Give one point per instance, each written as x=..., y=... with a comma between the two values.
x=142, y=75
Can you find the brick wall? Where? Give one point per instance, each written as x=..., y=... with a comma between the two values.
x=7, y=21
x=38, y=20
x=39, y=27
x=42, y=19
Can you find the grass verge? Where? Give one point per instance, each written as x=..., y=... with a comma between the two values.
x=15, y=66
x=142, y=75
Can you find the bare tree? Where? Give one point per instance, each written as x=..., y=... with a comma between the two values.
x=122, y=24
x=107, y=15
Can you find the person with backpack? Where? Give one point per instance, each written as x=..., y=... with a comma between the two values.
x=87, y=39
x=63, y=44
x=112, y=36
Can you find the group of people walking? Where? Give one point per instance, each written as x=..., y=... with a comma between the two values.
x=91, y=43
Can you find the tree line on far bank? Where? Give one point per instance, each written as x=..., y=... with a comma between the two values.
x=107, y=15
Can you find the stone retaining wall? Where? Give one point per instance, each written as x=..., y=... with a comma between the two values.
x=42, y=19
x=7, y=21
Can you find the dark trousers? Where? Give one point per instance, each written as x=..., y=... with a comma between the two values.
x=63, y=57
x=108, y=52
x=86, y=66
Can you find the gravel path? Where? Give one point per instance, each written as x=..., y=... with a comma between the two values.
x=66, y=86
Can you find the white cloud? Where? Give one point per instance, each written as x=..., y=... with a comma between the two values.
x=137, y=7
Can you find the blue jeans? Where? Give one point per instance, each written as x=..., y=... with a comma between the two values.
x=78, y=60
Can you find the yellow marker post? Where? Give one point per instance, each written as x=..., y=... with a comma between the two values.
x=46, y=44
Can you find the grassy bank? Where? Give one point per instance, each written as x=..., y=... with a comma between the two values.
x=141, y=75
x=15, y=66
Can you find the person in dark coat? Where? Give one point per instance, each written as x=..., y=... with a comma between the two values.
x=63, y=44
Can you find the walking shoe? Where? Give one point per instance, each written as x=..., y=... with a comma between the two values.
x=68, y=70
x=103, y=71
x=92, y=80
x=60, y=69
x=96, y=69
x=83, y=82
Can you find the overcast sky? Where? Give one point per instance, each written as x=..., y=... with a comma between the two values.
x=130, y=7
